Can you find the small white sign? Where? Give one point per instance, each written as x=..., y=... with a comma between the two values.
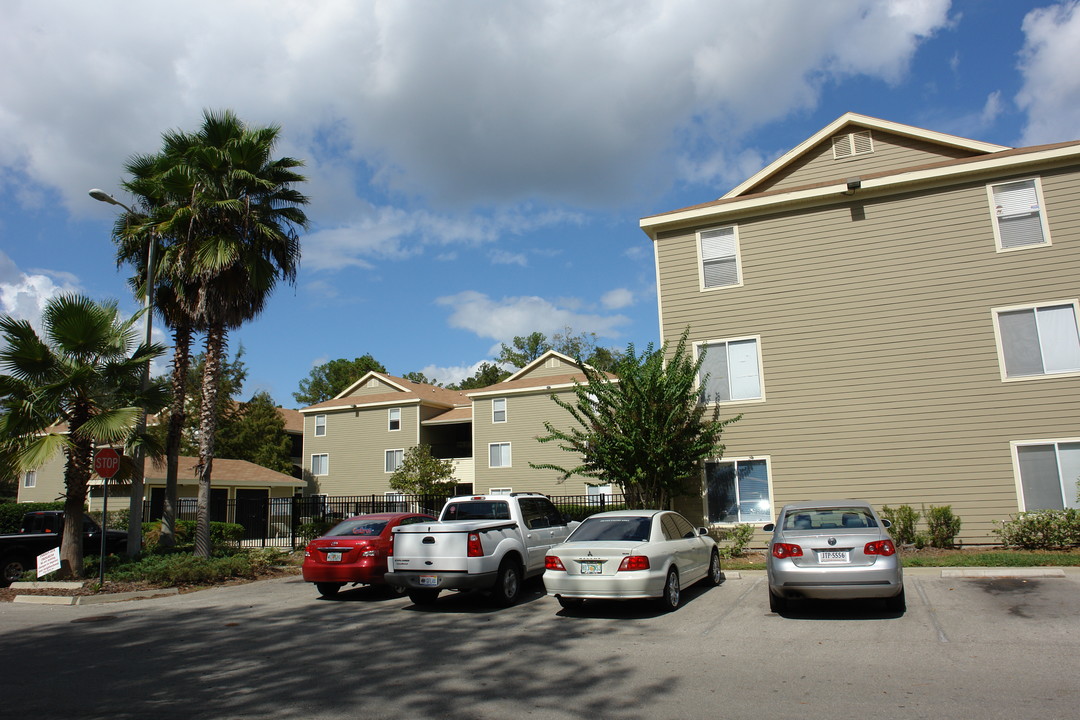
x=48, y=561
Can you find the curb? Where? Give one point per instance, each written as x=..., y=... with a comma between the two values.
x=94, y=599
x=1002, y=572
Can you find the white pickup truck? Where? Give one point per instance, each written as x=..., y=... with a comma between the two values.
x=481, y=542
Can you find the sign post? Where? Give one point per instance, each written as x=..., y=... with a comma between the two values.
x=106, y=463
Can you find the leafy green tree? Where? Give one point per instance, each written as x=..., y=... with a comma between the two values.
x=330, y=379
x=256, y=433
x=580, y=346
x=422, y=474
x=523, y=350
x=419, y=377
x=486, y=374
x=85, y=373
x=646, y=431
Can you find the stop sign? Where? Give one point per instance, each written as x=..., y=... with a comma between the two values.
x=106, y=462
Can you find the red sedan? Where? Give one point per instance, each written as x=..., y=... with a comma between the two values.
x=354, y=551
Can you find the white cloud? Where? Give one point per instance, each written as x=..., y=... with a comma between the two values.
x=617, y=298
x=502, y=257
x=1051, y=91
x=502, y=320
x=23, y=295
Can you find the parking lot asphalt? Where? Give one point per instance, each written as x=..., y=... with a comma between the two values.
x=984, y=647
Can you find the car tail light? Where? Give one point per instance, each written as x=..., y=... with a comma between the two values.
x=390, y=546
x=553, y=563
x=880, y=547
x=634, y=562
x=475, y=548
x=785, y=550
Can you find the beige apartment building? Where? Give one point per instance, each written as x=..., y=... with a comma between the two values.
x=354, y=442
x=893, y=311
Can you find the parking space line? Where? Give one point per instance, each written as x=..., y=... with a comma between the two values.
x=942, y=637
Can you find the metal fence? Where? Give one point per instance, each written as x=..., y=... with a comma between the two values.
x=288, y=522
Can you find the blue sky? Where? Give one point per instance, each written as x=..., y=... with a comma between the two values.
x=477, y=170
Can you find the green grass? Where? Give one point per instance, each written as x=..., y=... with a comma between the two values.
x=990, y=557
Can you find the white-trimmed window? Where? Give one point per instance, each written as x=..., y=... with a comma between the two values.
x=394, y=419
x=320, y=464
x=737, y=491
x=499, y=455
x=498, y=410
x=500, y=491
x=1038, y=340
x=30, y=479
x=731, y=370
x=718, y=253
x=1046, y=473
x=320, y=425
x=394, y=459
x=1019, y=221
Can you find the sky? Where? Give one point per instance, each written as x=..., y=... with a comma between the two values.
x=477, y=169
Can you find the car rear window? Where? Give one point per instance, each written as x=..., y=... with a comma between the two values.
x=834, y=518
x=477, y=510
x=357, y=528
x=626, y=529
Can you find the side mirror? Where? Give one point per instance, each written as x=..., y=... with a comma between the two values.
x=886, y=523
x=703, y=531
x=768, y=527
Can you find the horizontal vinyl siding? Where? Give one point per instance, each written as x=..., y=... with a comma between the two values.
x=881, y=370
x=357, y=441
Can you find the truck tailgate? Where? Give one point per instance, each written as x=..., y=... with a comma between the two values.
x=437, y=547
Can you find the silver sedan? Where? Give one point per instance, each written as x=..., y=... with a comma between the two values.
x=627, y=554
x=832, y=549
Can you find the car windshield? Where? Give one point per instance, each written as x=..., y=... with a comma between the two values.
x=633, y=529
x=830, y=518
x=358, y=528
x=478, y=510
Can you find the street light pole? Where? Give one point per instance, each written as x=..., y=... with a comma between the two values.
x=135, y=508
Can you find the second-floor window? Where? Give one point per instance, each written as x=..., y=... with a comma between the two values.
x=393, y=459
x=1019, y=221
x=395, y=419
x=731, y=370
x=1041, y=340
x=719, y=252
x=320, y=464
x=498, y=410
x=320, y=425
x=499, y=455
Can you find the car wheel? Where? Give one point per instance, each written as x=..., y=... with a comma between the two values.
x=13, y=569
x=423, y=597
x=508, y=584
x=669, y=601
x=716, y=573
x=328, y=589
x=897, y=603
x=570, y=603
x=777, y=604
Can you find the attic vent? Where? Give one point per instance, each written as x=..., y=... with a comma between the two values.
x=552, y=363
x=856, y=143
x=373, y=383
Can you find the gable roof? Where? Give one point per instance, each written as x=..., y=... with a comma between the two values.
x=540, y=361
x=524, y=381
x=399, y=391
x=862, y=121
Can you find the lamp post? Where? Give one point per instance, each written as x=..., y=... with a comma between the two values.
x=135, y=509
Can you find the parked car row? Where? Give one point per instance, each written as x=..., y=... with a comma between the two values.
x=834, y=549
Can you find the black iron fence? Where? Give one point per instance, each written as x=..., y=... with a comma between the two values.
x=288, y=522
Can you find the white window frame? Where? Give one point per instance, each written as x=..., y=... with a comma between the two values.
x=495, y=410
x=767, y=459
x=1067, y=486
x=391, y=419
x=996, y=315
x=30, y=479
x=995, y=214
x=397, y=461
x=320, y=424
x=760, y=368
x=325, y=463
x=500, y=491
x=701, y=259
x=509, y=454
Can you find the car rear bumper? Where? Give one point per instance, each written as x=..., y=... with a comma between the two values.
x=342, y=573
x=881, y=580
x=621, y=586
x=443, y=581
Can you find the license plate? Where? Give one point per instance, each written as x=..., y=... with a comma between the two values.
x=591, y=568
x=333, y=557
x=833, y=556
x=429, y=580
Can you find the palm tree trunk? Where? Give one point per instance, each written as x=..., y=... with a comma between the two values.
x=76, y=479
x=216, y=340
x=181, y=361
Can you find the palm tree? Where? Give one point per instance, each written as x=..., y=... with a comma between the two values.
x=228, y=216
x=79, y=385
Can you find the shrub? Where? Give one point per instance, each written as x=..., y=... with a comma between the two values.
x=221, y=534
x=904, y=520
x=943, y=526
x=1041, y=529
x=11, y=514
x=739, y=536
x=185, y=569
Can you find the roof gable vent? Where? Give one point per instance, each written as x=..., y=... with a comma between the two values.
x=850, y=144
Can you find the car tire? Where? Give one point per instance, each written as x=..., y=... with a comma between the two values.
x=670, y=600
x=423, y=597
x=327, y=589
x=716, y=573
x=897, y=603
x=13, y=568
x=507, y=588
x=777, y=604
x=570, y=603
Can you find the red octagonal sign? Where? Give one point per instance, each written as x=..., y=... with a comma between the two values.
x=106, y=462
